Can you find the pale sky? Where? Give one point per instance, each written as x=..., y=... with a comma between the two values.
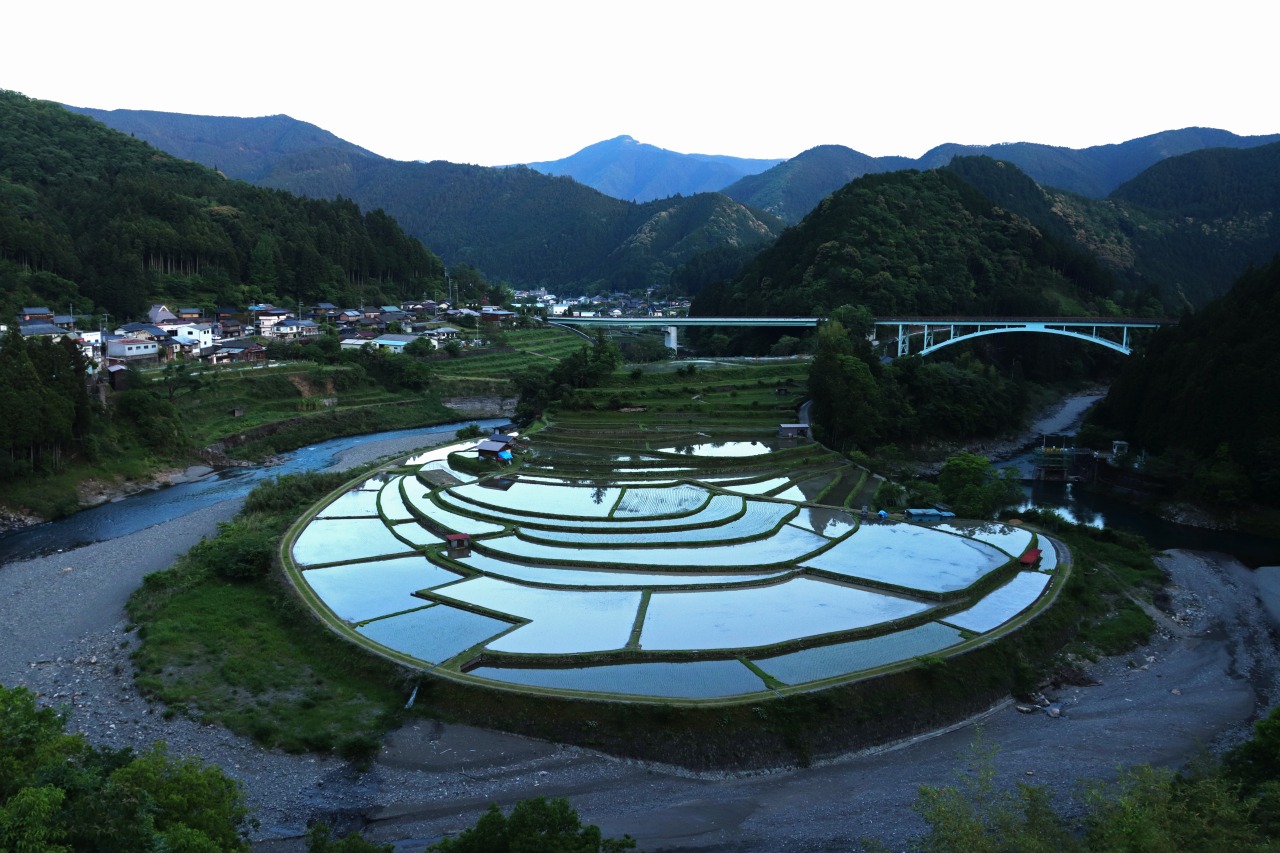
x=502, y=82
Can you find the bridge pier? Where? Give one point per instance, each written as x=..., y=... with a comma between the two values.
x=669, y=338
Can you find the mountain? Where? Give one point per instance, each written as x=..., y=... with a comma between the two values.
x=95, y=220
x=1181, y=232
x=527, y=228
x=635, y=171
x=245, y=148
x=914, y=243
x=513, y=224
x=1097, y=171
x=793, y=188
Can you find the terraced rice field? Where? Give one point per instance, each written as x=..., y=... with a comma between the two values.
x=729, y=582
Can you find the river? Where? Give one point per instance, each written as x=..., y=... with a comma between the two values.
x=1083, y=505
x=136, y=512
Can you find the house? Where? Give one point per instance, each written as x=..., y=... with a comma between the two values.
x=793, y=430
x=35, y=314
x=195, y=338
x=248, y=353
x=228, y=329
x=394, y=343
x=226, y=312
x=323, y=311
x=459, y=544
x=269, y=318
x=499, y=316
x=42, y=330
x=133, y=351
x=190, y=314
x=496, y=447
x=157, y=314
x=144, y=331
x=393, y=315
x=293, y=330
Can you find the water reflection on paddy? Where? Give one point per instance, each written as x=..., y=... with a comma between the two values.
x=735, y=618
x=692, y=680
x=682, y=499
x=420, y=499
x=351, y=504
x=760, y=488
x=391, y=502
x=539, y=499
x=910, y=556
x=759, y=517
x=833, y=523
x=842, y=658
x=1048, y=554
x=604, y=578
x=1007, y=537
x=344, y=539
x=1003, y=604
x=600, y=620
x=787, y=545
x=433, y=634
x=720, y=449
x=360, y=591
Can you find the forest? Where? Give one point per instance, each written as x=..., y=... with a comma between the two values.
x=1203, y=400
x=92, y=221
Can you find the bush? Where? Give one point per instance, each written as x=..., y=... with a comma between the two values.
x=536, y=824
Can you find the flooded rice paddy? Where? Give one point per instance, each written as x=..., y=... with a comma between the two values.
x=731, y=582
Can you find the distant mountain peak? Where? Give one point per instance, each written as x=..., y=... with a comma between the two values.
x=625, y=168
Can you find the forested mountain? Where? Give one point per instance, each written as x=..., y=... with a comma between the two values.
x=914, y=243
x=1205, y=396
x=792, y=189
x=528, y=228
x=245, y=148
x=93, y=219
x=513, y=224
x=1180, y=232
x=635, y=171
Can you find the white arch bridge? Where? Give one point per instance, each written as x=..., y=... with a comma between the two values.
x=938, y=332
x=935, y=332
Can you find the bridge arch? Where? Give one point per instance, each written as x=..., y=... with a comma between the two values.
x=939, y=333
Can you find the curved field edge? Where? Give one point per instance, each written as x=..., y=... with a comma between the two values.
x=791, y=724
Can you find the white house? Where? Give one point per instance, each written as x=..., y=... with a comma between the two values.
x=194, y=336
x=132, y=350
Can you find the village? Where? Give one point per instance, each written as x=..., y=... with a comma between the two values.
x=232, y=335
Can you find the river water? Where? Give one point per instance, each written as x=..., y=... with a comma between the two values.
x=1083, y=505
x=133, y=513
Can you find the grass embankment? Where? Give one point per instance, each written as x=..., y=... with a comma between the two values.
x=223, y=639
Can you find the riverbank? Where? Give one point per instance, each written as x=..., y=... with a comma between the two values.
x=1062, y=415
x=1210, y=670
x=92, y=486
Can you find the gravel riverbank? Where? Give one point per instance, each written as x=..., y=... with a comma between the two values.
x=1209, y=672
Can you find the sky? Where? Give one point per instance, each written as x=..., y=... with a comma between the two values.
x=499, y=82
